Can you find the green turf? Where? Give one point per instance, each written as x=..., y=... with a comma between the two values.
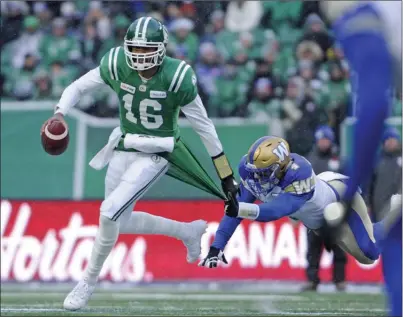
x=165, y=303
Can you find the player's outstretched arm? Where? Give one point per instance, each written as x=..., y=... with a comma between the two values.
x=72, y=94
x=281, y=206
x=204, y=127
x=224, y=233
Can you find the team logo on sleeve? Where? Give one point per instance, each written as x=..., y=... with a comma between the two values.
x=194, y=80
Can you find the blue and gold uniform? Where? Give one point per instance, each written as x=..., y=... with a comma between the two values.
x=287, y=186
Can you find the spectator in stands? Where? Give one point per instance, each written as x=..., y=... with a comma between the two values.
x=43, y=85
x=335, y=96
x=90, y=45
x=183, y=39
x=43, y=14
x=28, y=42
x=300, y=116
x=336, y=54
x=172, y=13
x=97, y=16
x=120, y=24
x=315, y=31
x=243, y=15
x=260, y=107
x=19, y=83
x=387, y=177
x=214, y=27
x=13, y=13
x=265, y=107
x=69, y=12
x=207, y=69
x=309, y=51
x=230, y=93
x=323, y=158
x=308, y=72
x=61, y=76
x=58, y=45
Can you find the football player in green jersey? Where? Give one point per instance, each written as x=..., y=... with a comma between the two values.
x=152, y=89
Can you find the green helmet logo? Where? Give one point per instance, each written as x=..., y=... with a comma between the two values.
x=145, y=43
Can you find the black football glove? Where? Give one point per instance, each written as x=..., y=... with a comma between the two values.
x=213, y=257
x=231, y=207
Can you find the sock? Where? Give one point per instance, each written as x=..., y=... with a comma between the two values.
x=105, y=239
x=144, y=223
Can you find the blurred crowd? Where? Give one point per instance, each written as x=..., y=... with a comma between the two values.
x=272, y=61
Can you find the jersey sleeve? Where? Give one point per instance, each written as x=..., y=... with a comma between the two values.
x=186, y=85
x=300, y=178
x=109, y=69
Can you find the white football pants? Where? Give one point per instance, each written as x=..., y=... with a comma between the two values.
x=129, y=176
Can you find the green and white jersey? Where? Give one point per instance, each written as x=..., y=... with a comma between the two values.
x=149, y=107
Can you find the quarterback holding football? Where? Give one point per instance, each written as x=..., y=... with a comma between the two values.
x=152, y=88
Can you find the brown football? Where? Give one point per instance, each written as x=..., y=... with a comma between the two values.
x=55, y=137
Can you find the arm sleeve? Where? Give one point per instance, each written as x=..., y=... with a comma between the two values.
x=204, y=127
x=228, y=225
x=72, y=94
x=283, y=205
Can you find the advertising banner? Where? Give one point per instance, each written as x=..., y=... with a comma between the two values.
x=52, y=241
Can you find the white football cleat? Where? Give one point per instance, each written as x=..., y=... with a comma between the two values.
x=193, y=242
x=79, y=296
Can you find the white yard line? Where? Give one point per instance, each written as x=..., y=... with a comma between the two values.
x=18, y=310
x=167, y=296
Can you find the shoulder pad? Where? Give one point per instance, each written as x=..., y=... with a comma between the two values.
x=110, y=63
x=299, y=178
x=178, y=73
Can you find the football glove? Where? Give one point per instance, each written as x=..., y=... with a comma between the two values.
x=231, y=207
x=213, y=257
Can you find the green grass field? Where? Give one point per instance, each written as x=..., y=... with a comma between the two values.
x=170, y=302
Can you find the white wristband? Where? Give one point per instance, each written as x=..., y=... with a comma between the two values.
x=248, y=211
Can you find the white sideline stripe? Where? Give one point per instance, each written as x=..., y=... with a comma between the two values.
x=55, y=137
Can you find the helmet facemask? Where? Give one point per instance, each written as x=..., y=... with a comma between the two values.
x=263, y=179
x=144, y=61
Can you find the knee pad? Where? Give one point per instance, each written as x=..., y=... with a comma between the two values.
x=107, y=208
